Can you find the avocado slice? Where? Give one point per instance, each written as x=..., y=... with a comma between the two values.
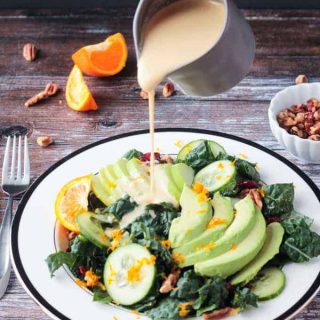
x=223, y=215
x=164, y=181
x=138, y=169
x=109, y=182
x=239, y=229
x=182, y=174
x=99, y=190
x=271, y=246
x=120, y=168
x=194, y=218
x=235, y=259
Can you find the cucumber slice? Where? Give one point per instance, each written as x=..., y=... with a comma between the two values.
x=92, y=230
x=214, y=146
x=216, y=175
x=269, y=284
x=129, y=274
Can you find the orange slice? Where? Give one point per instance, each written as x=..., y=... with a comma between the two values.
x=72, y=200
x=78, y=95
x=106, y=58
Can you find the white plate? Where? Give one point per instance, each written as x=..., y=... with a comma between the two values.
x=34, y=223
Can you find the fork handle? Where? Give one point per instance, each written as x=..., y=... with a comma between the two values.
x=5, y=240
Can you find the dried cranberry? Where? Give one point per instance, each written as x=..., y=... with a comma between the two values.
x=248, y=184
x=229, y=286
x=82, y=270
x=146, y=156
x=310, y=107
x=273, y=219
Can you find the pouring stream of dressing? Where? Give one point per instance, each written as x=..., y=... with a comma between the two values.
x=174, y=37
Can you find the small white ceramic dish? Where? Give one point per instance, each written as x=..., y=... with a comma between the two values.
x=33, y=229
x=303, y=149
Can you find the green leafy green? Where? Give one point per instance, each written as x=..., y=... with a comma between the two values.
x=278, y=199
x=133, y=153
x=300, y=244
x=188, y=286
x=212, y=295
x=58, y=259
x=247, y=170
x=101, y=296
x=243, y=297
x=163, y=214
x=82, y=254
x=231, y=188
x=122, y=206
x=200, y=156
x=168, y=308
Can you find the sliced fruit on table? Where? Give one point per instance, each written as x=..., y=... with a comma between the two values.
x=223, y=216
x=239, y=229
x=238, y=256
x=91, y=230
x=103, y=59
x=72, y=200
x=78, y=95
x=269, y=284
x=129, y=274
x=271, y=247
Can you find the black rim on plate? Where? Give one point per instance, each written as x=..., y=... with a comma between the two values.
x=16, y=221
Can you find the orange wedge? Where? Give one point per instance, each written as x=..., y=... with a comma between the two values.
x=72, y=200
x=78, y=95
x=103, y=59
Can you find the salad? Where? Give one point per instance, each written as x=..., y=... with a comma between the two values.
x=210, y=240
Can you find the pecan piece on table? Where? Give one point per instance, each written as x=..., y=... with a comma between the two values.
x=29, y=52
x=169, y=283
x=144, y=95
x=50, y=90
x=301, y=78
x=168, y=90
x=44, y=141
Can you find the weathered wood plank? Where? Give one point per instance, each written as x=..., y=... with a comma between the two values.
x=287, y=44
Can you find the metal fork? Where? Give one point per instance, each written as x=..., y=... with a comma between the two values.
x=15, y=180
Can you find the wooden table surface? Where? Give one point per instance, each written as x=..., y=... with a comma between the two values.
x=288, y=43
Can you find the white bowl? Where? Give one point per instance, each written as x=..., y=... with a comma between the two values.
x=304, y=149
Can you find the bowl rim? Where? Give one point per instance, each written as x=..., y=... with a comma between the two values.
x=273, y=116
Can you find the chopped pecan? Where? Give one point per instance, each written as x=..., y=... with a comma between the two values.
x=169, y=283
x=50, y=90
x=315, y=137
x=144, y=95
x=168, y=90
x=255, y=196
x=29, y=52
x=166, y=159
x=44, y=141
x=218, y=314
x=301, y=78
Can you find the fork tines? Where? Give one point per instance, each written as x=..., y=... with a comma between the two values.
x=13, y=174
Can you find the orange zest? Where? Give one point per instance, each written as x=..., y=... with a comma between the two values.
x=72, y=200
x=78, y=95
x=103, y=59
x=184, y=309
x=214, y=222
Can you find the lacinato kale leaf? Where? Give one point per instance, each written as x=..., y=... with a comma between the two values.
x=101, y=296
x=163, y=214
x=188, y=286
x=154, y=223
x=133, y=153
x=168, y=308
x=58, y=259
x=300, y=243
x=231, y=188
x=278, y=199
x=243, y=298
x=212, y=295
x=200, y=156
x=122, y=206
x=247, y=170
